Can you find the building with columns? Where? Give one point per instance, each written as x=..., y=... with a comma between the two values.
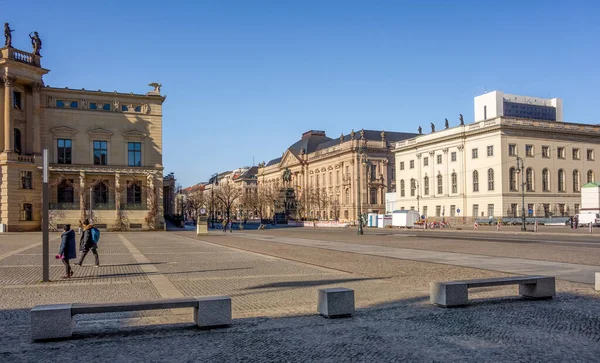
x=332, y=177
x=472, y=171
x=104, y=148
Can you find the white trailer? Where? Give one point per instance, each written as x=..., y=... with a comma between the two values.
x=405, y=218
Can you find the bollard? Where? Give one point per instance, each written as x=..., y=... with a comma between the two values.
x=591, y=228
x=498, y=226
x=475, y=226
x=536, y=226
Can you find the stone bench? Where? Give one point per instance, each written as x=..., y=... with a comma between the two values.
x=56, y=321
x=455, y=293
x=337, y=302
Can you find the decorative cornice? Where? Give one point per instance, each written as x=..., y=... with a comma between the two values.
x=134, y=133
x=100, y=131
x=36, y=86
x=8, y=80
x=63, y=129
x=82, y=169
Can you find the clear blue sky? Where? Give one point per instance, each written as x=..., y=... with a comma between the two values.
x=246, y=78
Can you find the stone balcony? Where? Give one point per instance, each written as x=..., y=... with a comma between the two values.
x=21, y=56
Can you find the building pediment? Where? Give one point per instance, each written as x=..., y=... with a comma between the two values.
x=134, y=133
x=100, y=132
x=63, y=130
x=289, y=159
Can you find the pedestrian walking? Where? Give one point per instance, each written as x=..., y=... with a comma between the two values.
x=68, y=249
x=87, y=243
x=224, y=223
x=230, y=226
x=80, y=229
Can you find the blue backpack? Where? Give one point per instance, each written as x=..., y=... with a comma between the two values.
x=95, y=234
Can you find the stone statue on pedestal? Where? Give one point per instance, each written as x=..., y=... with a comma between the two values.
x=7, y=35
x=420, y=130
x=36, y=42
x=432, y=127
x=460, y=117
x=447, y=124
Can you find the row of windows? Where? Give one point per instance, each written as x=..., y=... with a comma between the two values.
x=66, y=192
x=529, y=182
x=93, y=105
x=561, y=152
x=474, y=154
x=546, y=180
x=64, y=149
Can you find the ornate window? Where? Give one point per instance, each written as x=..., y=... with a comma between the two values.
x=561, y=180
x=426, y=185
x=347, y=196
x=490, y=179
x=475, y=181
x=576, y=183
x=413, y=187
x=454, y=183
x=373, y=172
x=27, y=213
x=17, y=141
x=134, y=151
x=65, y=192
x=373, y=196
x=545, y=180
x=100, y=152
x=512, y=180
x=440, y=185
x=26, y=179
x=64, y=151
x=590, y=176
x=529, y=177
x=402, y=188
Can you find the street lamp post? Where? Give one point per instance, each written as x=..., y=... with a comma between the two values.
x=521, y=170
x=360, y=158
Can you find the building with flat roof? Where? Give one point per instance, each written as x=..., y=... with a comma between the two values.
x=499, y=104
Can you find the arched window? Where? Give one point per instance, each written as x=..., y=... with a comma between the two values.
x=545, y=180
x=512, y=179
x=590, y=176
x=426, y=185
x=413, y=187
x=373, y=196
x=134, y=193
x=561, y=180
x=576, y=182
x=490, y=179
x=454, y=183
x=475, y=181
x=440, y=186
x=101, y=193
x=65, y=191
x=402, y=187
x=529, y=180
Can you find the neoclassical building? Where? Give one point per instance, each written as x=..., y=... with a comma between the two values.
x=472, y=171
x=104, y=148
x=325, y=172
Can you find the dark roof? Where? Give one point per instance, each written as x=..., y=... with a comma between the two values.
x=316, y=140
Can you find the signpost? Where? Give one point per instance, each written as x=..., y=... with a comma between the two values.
x=45, y=220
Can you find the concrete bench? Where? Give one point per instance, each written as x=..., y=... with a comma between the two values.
x=455, y=293
x=56, y=321
x=336, y=302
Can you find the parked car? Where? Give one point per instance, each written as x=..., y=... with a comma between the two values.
x=584, y=219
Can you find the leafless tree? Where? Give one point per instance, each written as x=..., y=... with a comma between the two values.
x=228, y=194
x=193, y=202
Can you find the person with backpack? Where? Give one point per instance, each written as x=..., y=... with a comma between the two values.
x=89, y=241
x=68, y=249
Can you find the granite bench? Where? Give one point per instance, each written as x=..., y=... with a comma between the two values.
x=337, y=302
x=455, y=293
x=56, y=321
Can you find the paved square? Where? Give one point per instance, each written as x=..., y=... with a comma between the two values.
x=273, y=278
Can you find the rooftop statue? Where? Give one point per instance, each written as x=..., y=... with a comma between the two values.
x=36, y=42
x=462, y=122
x=447, y=124
x=420, y=130
x=156, y=86
x=432, y=127
x=8, y=35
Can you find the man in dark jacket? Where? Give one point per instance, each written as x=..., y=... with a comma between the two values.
x=68, y=249
x=88, y=244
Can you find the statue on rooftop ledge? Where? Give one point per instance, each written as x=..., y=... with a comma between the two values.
x=420, y=130
x=432, y=127
x=362, y=134
x=460, y=117
x=352, y=134
x=156, y=86
x=447, y=124
x=36, y=42
x=8, y=35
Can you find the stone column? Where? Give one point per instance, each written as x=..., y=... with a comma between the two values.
x=117, y=194
x=82, y=194
x=37, y=137
x=8, y=124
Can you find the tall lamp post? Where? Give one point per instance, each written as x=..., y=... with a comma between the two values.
x=361, y=158
x=521, y=170
x=212, y=199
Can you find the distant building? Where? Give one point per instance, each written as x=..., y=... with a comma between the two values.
x=169, y=195
x=499, y=104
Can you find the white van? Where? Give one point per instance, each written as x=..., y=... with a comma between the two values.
x=586, y=218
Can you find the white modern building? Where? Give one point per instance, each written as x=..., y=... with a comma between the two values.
x=497, y=104
x=472, y=171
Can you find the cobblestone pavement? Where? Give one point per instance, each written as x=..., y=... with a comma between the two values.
x=274, y=288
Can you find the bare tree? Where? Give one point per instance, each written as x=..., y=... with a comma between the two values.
x=228, y=194
x=193, y=202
